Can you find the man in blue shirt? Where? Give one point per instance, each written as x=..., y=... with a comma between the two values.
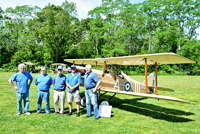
x=59, y=90
x=22, y=88
x=73, y=81
x=43, y=82
x=91, y=82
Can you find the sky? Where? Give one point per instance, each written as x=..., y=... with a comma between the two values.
x=82, y=6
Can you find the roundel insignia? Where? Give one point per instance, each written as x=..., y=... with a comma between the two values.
x=127, y=86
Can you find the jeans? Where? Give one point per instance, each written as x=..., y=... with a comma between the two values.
x=45, y=95
x=91, y=97
x=25, y=97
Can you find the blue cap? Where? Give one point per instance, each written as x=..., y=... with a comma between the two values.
x=60, y=67
x=73, y=66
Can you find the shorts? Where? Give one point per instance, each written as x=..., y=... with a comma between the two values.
x=75, y=95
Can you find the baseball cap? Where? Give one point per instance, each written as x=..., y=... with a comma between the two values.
x=73, y=66
x=60, y=67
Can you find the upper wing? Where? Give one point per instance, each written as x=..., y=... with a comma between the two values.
x=60, y=64
x=147, y=95
x=160, y=58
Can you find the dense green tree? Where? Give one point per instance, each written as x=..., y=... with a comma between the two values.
x=1, y=16
x=12, y=31
x=16, y=20
x=57, y=29
x=115, y=28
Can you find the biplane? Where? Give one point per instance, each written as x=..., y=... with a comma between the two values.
x=123, y=84
x=33, y=70
x=56, y=67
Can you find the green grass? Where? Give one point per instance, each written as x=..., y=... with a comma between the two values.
x=129, y=114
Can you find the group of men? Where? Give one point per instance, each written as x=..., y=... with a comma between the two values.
x=60, y=81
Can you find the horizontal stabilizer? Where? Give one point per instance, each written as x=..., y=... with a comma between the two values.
x=147, y=95
x=163, y=88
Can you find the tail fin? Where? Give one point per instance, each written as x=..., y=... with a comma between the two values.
x=151, y=81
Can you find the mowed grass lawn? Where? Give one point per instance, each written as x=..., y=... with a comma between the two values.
x=129, y=114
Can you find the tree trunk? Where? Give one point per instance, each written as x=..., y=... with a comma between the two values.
x=119, y=44
x=149, y=41
x=97, y=46
x=160, y=43
x=130, y=48
x=129, y=44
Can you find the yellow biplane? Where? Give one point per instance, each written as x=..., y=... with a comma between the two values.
x=123, y=84
x=56, y=67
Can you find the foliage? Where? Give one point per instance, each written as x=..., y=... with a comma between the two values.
x=115, y=28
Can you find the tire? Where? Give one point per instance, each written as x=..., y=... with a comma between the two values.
x=83, y=101
x=104, y=102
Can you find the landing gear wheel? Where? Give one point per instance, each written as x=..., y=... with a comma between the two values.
x=83, y=101
x=104, y=102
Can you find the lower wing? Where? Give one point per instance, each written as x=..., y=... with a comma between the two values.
x=147, y=95
x=162, y=88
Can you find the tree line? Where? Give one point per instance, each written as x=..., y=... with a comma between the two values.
x=115, y=28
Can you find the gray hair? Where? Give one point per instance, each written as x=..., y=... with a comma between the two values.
x=22, y=64
x=88, y=66
x=43, y=67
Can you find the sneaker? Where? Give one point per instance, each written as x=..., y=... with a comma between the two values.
x=96, y=118
x=56, y=113
x=69, y=114
x=77, y=115
x=62, y=113
x=48, y=113
x=37, y=113
x=18, y=114
x=27, y=113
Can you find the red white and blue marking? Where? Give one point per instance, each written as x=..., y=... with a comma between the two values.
x=127, y=86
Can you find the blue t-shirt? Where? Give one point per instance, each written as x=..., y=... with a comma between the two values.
x=59, y=82
x=90, y=79
x=22, y=81
x=43, y=82
x=73, y=81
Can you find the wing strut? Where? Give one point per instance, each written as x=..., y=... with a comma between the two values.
x=96, y=65
x=104, y=68
x=115, y=71
x=146, y=74
x=156, y=77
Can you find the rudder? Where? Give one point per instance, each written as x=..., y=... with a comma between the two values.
x=151, y=81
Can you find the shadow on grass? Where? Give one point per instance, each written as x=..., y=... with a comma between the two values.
x=42, y=110
x=150, y=110
x=66, y=110
x=133, y=105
